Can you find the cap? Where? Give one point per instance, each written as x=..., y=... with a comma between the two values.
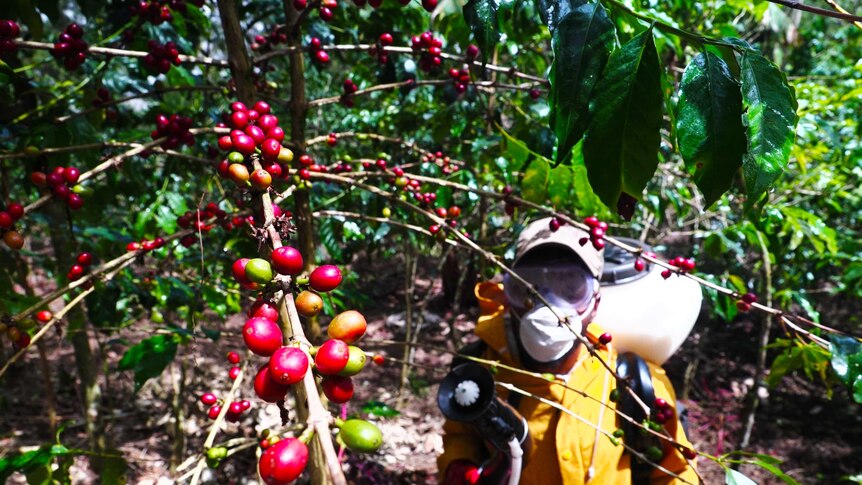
x=538, y=233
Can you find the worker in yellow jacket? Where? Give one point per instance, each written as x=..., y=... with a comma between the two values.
x=519, y=331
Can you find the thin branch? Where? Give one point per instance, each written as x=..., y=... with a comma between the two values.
x=840, y=14
x=107, y=51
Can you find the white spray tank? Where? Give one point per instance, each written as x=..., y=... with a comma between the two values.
x=645, y=313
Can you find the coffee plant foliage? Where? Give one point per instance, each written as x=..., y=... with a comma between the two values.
x=659, y=118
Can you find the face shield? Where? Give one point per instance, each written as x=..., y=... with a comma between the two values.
x=566, y=285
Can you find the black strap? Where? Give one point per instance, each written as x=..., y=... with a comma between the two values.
x=634, y=374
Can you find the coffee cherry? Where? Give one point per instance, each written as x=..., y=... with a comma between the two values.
x=283, y=462
x=259, y=271
x=639, y=265
x=749, y=298
x=321, y=57
x=689, y=454
x=355, y=361
x=743, y=306
x=287, y=260
x=288, y=365
x=208, y=398
x=386, y=39
x=378, y=359
x=308, y=303
x=331, y=357
x=338, y=389
x=44, y=316
x=233, y=357
x=266, y=388
x=554, y=224
x=262, y=336
x=13, y=239
x=270, y=149
x=666, y=274
x=605, y=338
x=214, y=412
x=325, y=278
x=260, y=179
x=233, y=373
x=348, y=326
x=360, y=436
x=6, y=221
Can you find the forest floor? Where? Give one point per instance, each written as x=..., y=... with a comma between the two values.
x=818, y=440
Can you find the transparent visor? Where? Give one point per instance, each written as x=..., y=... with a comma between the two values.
x=564, y=285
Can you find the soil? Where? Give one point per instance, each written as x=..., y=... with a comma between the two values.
x=818, y=439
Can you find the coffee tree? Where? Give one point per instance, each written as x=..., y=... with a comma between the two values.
x=168, y=164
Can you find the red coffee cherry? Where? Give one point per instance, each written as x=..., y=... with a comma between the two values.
x=288, y=365
x=266, y=388
x=338, y=389
x=287, y=260
x=262, y=336
x=283, y=462
x=325, y=278
x=331, y=357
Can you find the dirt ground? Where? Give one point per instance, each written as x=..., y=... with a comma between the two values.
x=818, y=439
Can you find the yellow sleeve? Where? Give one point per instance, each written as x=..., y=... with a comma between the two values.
x=459, y=442
x=673, y=459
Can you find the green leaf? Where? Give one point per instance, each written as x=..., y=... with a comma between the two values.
x=149, y=358
x=621, y=145
x=770, y=114
x=560, y=183
x=709, y=127
x=481, y=16
x=582, y=44
x=534, y=187
x=378, y=408
x=847, y=363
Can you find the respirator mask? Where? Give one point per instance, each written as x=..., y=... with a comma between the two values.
x=571, y=292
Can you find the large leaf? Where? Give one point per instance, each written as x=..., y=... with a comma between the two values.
x=621, y=146
x=847, y=363
x=581, y=43
x=770, y=113
x=149, y=358
x=481, y=16
x=534, y=187
x=709, y=127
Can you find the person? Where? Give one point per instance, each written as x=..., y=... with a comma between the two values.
x=517, y=330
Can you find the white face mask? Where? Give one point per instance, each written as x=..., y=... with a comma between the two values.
x=542, y=334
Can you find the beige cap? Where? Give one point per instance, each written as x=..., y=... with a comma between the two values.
x=538, y=233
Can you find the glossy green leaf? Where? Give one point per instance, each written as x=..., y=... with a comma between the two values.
x=581, y=43
x=534, y=187
x=149, y=358
x=847, y=363
x=709, y=127
x=481, y=16
x=621, y=146
x=378, y=408
x=770, y=114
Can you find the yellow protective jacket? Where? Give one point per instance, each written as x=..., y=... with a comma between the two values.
x=563, y=447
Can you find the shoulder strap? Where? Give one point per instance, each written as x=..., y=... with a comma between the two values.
x=635, y=375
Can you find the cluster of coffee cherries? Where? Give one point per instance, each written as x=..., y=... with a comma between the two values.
x=460, y=78
x=509, y=205
x=318, y=53
x=253, y=130
x=145, y=245
x=555, y=224
x=9, y=30
x=160, y=57
x=175, y=130
x=598, y=229
x=159, y=11
x=683, y=265
x=63, y=182
x=327, y=10
x=349, y=87
x=441, y=160
x=235, y=409
x=82, y=263
x=8, y=217
x=18, y=332
x=430, y=47
x=71, y=46
x=744, y=303
x=384, y=40
x=199, y=221
x=277, y=36
x=450, y=215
